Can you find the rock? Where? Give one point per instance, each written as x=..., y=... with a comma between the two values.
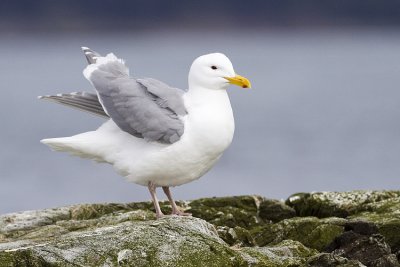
x=228, y=231
x=243, y=211
x=286, y=253
x=385, y=215
x=125, y=256
x=329, y=260
x=237, y=236
x=337, y=204
x=120, y=235
x=362, y=242
x=275, y=211
x=228, y=211
x=361, y=227
x=378, y=207
x=174, y=241
x=311, y=231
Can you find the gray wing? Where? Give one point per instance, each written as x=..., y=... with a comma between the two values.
x=146, y=108
x=84, y=101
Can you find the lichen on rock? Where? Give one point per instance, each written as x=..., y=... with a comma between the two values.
x=347, y=229
x=337, y=204
x=286, y=253
x=378, y=207
x=311, y=231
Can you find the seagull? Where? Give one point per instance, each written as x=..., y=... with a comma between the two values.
x=155, y=135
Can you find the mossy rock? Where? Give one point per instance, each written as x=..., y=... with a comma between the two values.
x=172, y=241
x=236, y=236
x=378, y=207
x=385, y=214
x=275, y=210
x=337, y=204
x=241, y=211
x=330, y=260
x=228, y=211
x=362, y=242
x=310, y=231
x=229, y=231
x=287, y=253
x=128, y=235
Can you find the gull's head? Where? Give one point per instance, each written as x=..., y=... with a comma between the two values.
x=215, y=71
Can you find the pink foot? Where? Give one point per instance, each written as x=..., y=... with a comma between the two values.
x=159, y=215
x=180, y=213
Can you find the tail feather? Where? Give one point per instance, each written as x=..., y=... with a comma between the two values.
x=91, y=55
x=72, y=145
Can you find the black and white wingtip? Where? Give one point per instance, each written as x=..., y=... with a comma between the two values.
x=91, y=55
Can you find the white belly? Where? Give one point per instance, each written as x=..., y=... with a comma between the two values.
x=208, y=132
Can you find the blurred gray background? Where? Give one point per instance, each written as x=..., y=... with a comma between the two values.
x=323, y=115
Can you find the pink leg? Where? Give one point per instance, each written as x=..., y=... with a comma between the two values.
x=175, y=209
x=152, y=189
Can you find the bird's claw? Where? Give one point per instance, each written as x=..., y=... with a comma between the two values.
x=159, y=215
x=180, y=213
x=176, y=212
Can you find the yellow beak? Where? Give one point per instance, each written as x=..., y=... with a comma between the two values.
x=239, y=81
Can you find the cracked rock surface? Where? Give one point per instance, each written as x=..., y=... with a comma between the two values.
x=358, y=228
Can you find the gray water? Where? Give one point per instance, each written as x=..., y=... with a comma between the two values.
x=323, y=115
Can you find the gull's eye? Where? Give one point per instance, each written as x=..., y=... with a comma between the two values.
x=214, y=67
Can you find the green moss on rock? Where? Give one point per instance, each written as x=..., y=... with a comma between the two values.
x=336, y=204
x=237, y=236
x=228, y=211
x=330, y=260
x=23, y=258
x=284, y=254
x=275, y=210
x=310, y=231
x=242, y=211
x=172, y=241
x=385, y=214
x=229, y=231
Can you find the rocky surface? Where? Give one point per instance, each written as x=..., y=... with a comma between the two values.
x=322, y=229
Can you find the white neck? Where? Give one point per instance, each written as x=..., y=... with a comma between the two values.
x=210, y=115
x=198, y=95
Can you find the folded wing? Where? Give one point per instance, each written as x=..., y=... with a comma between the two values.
x=146, y=108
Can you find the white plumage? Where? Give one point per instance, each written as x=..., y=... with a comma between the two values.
x=208, y=131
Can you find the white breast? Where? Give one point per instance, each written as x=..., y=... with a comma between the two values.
x=209, y=128
x=210, y=123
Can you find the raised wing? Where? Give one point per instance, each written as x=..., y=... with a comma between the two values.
x=146, y=108
x=84, y=101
